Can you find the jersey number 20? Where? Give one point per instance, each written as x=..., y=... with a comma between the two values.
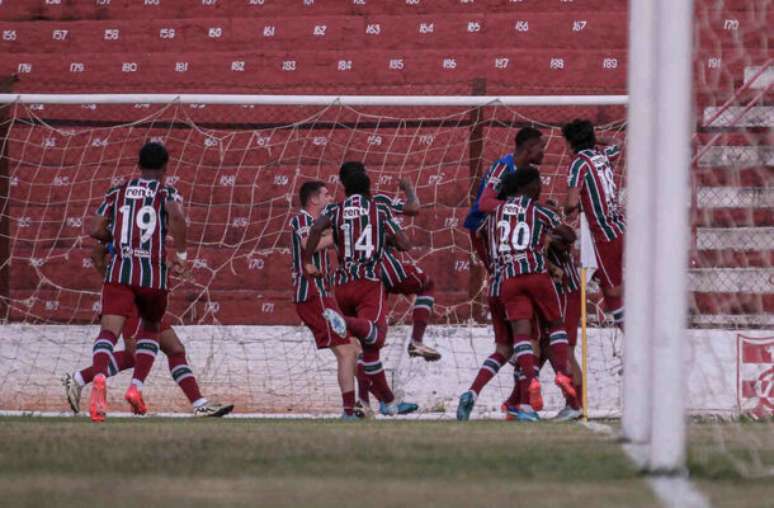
x=518, y=239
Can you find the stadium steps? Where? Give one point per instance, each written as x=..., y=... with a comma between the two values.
x=163, y=9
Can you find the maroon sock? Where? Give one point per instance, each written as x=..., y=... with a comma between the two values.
x=515, y=397
x=363, y=382
x=102, y=353
x=123, y=361
x=558, y=351
x=183, y=376
x=147, y=348
x=423, y=307
x=488, y=370
x=525, y=355
x=373, y=368
x=348, y=401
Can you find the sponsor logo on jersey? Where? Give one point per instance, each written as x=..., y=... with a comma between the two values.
x=139, y=192
x=128, y=252
x=353, y=212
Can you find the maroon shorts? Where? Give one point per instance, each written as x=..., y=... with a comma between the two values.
x=416, y=280
x=311, y=313
x=571, y=309
x=610, y=262
x=478, y=241
x=132, y=326
x=502, y=328
x=365, y=299
x=122, y=300
x=524, y=294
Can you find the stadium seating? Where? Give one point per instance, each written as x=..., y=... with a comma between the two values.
x=243, y=197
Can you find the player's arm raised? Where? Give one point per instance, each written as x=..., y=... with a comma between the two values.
x=179, y=231
x=398, y=236
x=490, y=197
x=313, y=244
x=412, y=206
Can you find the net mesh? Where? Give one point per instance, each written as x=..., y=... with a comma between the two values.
x=239, y=169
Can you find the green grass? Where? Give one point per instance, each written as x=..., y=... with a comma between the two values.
x=233, y=462
x=733, y=462
x=157, y=462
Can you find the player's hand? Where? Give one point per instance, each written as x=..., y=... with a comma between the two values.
x=405, y=185
x=311, y=270
x=181, y=269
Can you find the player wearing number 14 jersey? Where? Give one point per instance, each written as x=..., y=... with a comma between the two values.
x=361, y=228
x=403, y=276
x=592, y=189
x=135, y=218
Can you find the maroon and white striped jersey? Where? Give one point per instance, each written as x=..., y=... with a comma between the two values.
x=138, y=224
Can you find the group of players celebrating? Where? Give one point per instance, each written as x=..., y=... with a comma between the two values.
x=534, y=284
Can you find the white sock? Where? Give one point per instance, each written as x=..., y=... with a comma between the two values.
x=137, y=383
x=199, y=403
x=79, y=379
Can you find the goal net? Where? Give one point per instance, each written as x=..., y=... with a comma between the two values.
x=239, y=168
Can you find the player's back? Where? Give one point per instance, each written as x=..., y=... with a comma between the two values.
x=360, y=231
x=304, y=286
x=517, y=232
x=138, y=225
x=592, y=172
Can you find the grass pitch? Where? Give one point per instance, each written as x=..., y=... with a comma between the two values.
x=235, y=462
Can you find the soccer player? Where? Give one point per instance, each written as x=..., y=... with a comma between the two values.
x=361, y=229
x=592, y=189
x=518, y=229
x=529, y=149
x=401, y=276
x=313, y=295
x=170, y=345
x=135, y=218
x=567, y=281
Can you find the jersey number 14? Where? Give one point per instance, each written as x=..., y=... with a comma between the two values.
x=364, y=242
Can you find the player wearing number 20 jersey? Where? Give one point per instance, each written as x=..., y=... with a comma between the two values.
x=138, y=226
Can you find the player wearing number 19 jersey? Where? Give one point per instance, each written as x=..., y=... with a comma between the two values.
x=361, y=229
x=592, y=189
x=135, y=217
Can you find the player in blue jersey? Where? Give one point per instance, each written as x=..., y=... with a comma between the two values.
x=529, y=150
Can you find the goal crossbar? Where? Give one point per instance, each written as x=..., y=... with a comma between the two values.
x=318, y=100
